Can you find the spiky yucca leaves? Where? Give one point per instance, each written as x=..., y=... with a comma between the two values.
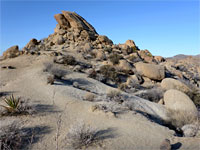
x=16, y=106
x=12, y=104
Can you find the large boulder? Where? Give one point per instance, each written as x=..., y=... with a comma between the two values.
x=178, y=101
x=11, y=52
x=124, y=65
x=169, y=83
x=154, y=72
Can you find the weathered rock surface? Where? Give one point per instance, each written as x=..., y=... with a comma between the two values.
x=178, y=101
x=155, y=72
x=123, y=64
x=190, y=130
x=169, y=83
x=11, y=52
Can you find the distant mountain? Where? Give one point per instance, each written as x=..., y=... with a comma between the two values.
x=182, y=56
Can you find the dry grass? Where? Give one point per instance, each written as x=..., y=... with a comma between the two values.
x=81, y=136
x=115, y=95
x=11, y=137
x=153, y=95
x=180, y=118
x=109, y=107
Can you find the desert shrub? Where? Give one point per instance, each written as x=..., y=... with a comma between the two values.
x=153, y=95
x=114, y=58
x=110, y=73
x=47, y=66
x=81, y=135
x=90, y=97
x=58, y=73
x=70, y=60
x=180, y=118
x=50, y=80
x=14, y=137
x=54, y=70
x=115, y=95
x=15, y=106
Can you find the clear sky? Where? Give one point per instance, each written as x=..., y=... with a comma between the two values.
x=165, y=28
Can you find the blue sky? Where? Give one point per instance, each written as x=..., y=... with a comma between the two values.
x=165, y=28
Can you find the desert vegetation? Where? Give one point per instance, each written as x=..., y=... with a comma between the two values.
x=140, y=95
x=54, y=70
x=15, y=106
x=81, y=135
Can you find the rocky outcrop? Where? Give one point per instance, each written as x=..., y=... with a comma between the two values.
x=130, y=43
x=151, y=71
x=72, y=20
x=31, y=44
x=11, y=52
x=178, y=101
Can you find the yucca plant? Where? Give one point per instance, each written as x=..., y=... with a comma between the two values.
x=12, y=104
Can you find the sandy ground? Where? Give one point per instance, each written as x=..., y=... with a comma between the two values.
x=128, y=131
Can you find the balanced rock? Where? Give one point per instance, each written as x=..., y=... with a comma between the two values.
x=178, y=101
x=11, y=52
x=169, y=83
x=151, y=71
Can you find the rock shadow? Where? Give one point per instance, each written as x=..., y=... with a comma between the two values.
x=176, y=146
x=32, y=135
x=43, y=109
